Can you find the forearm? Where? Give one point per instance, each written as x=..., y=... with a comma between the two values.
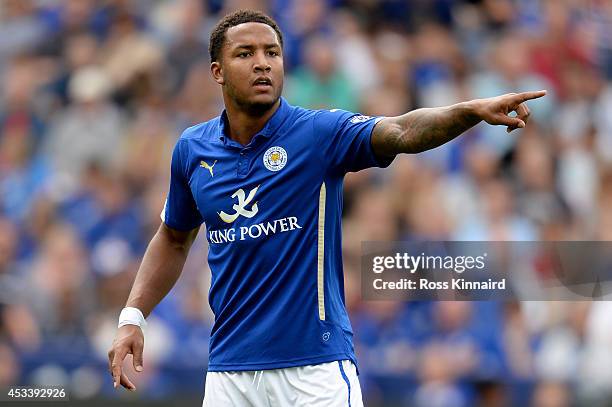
x=161, y=267
x=423, y=129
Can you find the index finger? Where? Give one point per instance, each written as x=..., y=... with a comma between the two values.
x=116, y=365
x=525, y=96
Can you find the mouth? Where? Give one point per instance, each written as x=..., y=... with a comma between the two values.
x=262, y=83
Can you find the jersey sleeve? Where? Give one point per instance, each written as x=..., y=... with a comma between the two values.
x=344, y=139
x=180, y=210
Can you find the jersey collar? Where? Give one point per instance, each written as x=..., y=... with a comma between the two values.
x=269, y=129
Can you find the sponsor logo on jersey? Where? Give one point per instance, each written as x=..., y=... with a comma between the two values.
x=255, y=231
x=241, y=206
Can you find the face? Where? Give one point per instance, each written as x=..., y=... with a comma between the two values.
x=250, y=69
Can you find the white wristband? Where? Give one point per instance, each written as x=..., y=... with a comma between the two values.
x=131, y=316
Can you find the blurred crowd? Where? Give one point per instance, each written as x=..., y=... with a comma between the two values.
x=94, y=95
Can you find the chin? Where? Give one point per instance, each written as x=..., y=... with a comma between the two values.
x=261, y=103
x=264, y=98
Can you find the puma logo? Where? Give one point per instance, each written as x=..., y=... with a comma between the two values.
x=204, y=164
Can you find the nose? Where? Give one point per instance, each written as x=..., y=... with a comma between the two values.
x=262, y=64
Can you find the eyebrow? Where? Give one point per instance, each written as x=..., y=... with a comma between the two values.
x=250, y=47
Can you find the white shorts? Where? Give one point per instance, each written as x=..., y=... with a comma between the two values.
x=326, y=384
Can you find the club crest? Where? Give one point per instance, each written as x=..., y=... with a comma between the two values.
x=275, y=158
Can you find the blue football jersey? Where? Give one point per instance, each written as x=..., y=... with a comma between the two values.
x=272, y=211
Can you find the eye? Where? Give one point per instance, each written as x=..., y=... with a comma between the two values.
x=273, y=53
x=244, y=54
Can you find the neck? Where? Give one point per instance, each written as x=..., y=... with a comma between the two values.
x=243, y=125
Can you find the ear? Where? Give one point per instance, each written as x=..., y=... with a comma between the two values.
x=217, y=73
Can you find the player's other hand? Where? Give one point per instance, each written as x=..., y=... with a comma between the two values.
x=129, y=340
x=497, y=110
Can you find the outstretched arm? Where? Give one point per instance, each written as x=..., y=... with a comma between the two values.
x=424, y=129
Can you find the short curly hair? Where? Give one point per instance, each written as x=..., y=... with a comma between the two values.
x=217, y=36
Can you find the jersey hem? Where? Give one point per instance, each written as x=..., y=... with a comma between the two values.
x=225, y=367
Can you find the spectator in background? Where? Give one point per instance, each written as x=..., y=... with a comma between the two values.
x=8, y=251
x=437, y=56
x=71, y=19
x=59, y=284
x=393, y=55
x=438, y=388
x=497, y=220
x=301, y=20
x=604, y=218
x=24, y=172
x=320, y=83
x=89, y=130
x=189, y=39
x=17, y=324
x=425, y=216
x=79, y=52
x=197, y=100
x=10, y=368
x=20, y=28
x=372, y=215
x=539, y=199
x=354, y=54
x=20, y=80
x=116, y=234
x=552, y=394
x=508, y=70
x=150, y=134
x=463, y=188
x=130, y=57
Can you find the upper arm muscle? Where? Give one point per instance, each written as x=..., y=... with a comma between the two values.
x=386, y=137
x=179, y=238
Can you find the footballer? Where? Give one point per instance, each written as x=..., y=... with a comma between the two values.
x=266, y=179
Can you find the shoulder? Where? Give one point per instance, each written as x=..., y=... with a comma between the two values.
x=201, y=131
x=322, y=122
x=294, y=114
x=194, y=137
x=321, y=115
x=340, y=115
x=334, y=119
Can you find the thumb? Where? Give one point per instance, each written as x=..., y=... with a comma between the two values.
x=137, y=356
x=512, y=122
